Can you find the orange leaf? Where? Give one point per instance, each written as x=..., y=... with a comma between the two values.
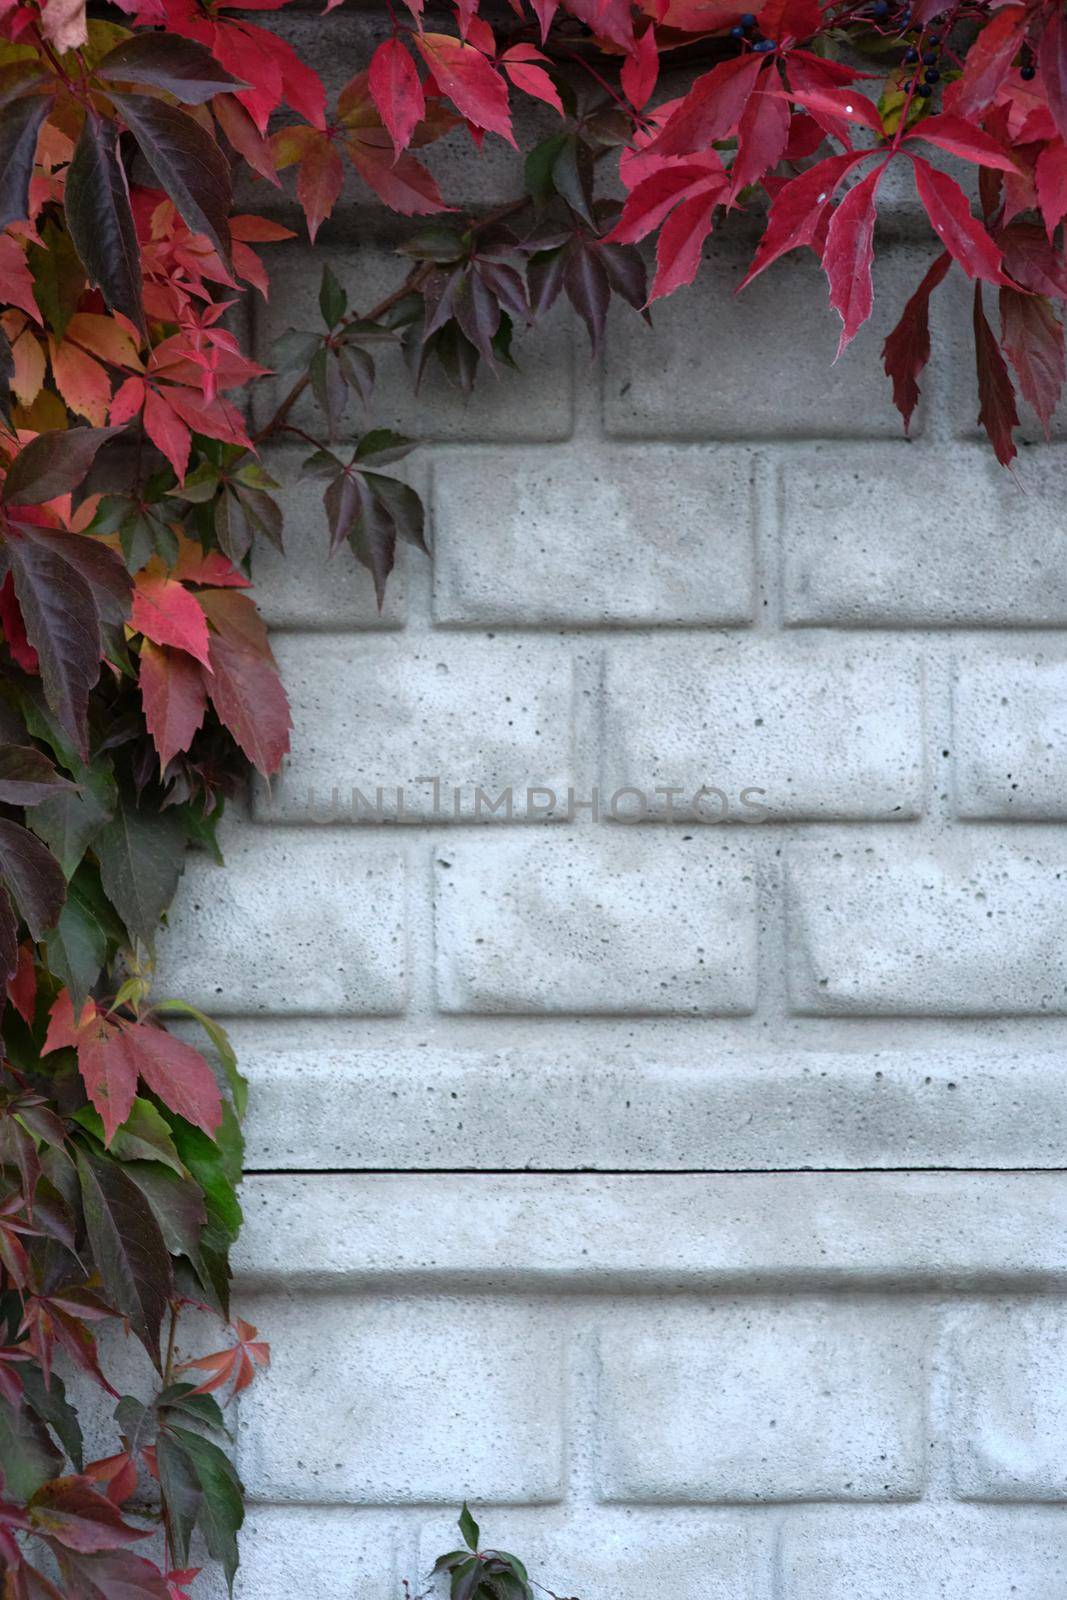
x=83, y=382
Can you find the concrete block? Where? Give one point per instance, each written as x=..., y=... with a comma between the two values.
x=762, y=1400
x=594, y=923
x=393, y=1401
x=885, y=927
x=800, y=728
x=593, y=535
x=1009, y=1402
x=296, y=922
x=392, y=715
x=946, y=538
x=1009, y=736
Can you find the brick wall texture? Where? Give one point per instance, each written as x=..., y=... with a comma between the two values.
x=678, y=1177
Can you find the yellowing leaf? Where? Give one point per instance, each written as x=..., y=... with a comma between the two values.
x=28, y=376
x=83, y=382
x=110, y=338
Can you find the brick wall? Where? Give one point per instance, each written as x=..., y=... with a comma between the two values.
x=683, y=1194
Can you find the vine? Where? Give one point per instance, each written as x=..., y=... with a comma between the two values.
x=137, y=685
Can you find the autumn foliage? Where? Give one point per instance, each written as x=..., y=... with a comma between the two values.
x=137, y=686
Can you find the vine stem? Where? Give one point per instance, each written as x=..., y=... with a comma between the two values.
x=414, y=280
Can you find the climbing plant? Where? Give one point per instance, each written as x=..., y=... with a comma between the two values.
x=137, y=687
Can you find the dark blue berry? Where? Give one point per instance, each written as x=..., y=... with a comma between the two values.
x=933, y=38
x=929, y=58
x=748, y=19
x=880, y=9
x=910, y=57
x=1027, y=73
x=932, y=75
x=764, y=46
x=925, y=89
x=737, y=33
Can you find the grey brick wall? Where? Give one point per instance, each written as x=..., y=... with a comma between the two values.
x=684, y=1193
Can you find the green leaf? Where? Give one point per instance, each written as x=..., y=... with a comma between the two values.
x=127, y=1247
x=58, y=275
x=466, y=1579
x=52, y=1406
x=178, y=1206
x=182, y=67
x=221, y=1510
x=87, y=930
x=293, y=351
x=201, y=484
x=381, y=446
x=97, y=204
x=537, y=174
x=468, y=1527
x=183, y=1497
x=436, y=241
x=141, y=854
x=202, y=1408
x=403, y=506
x=68, y=823
x=186, y=160
x=28, y=1458
x=20, y=125
x=216, y=1166
x=144, y=1136
x=333, y=301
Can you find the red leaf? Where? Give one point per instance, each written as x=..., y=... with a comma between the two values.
x=1051, y=177
x=712, y=108
x=1052, y=61
x=843, y=103
x=109, y=1076
x=848, y=255
x=534, y=81
x=16, y=280
x=1032, y=260
x=22, y=988
x=165, y=612
x=961, y=138
x=997, y=412
x=641, y=69
x=396, y=90
x=174, y=699
x=76, y=1515
x=176, y=1072
x=1032, y=340
x=117, y=1474
x=989, y=59
x=22, y=651
x=319, y=182
x=907, y=349
x=403, y=183
x=649, y=202
x=762, y=135
x=789, y=19
x=799, y=208
x=475, y=88
x=960, y=232
x=245, y=689
x=680, y=243
x=166, y=430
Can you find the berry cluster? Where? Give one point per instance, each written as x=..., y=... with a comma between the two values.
x=747, y=30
